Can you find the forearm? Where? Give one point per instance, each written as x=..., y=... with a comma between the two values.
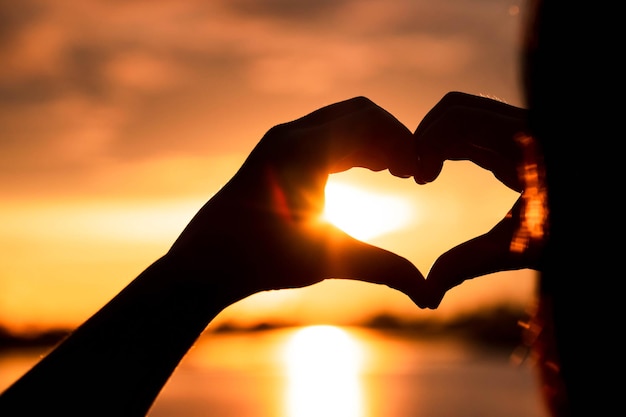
x=117, y=362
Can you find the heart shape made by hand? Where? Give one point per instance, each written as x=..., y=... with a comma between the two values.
x=419, y=222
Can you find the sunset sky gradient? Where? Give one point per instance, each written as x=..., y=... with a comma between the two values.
x=118, y=120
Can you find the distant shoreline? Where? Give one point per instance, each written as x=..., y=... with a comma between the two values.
x=499, y=326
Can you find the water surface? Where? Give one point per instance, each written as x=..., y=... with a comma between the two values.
x=347, y=372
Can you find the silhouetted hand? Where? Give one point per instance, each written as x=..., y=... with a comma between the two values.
x=489, y=133
x=263, y=230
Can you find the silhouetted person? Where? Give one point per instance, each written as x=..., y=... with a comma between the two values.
x=262, y=232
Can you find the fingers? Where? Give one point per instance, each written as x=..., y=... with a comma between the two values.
x=370, y=138
x=467, y=127
x=352, y=133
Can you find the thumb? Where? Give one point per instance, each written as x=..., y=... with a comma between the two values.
x=480, y=256
x=349, y=258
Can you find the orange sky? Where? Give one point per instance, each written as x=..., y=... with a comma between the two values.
x=119, y=119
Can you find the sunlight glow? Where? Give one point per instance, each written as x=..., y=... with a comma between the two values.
x=364, y=214
x=323, y=366
x=143, y=221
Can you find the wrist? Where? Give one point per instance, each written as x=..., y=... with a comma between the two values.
x=206, y=291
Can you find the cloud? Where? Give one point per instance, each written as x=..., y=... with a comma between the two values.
x=302, y=11
x=85, y=85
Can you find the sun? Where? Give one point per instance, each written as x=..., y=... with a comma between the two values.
x=364, y=214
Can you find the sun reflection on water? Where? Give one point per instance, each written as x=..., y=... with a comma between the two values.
x=323, y=365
